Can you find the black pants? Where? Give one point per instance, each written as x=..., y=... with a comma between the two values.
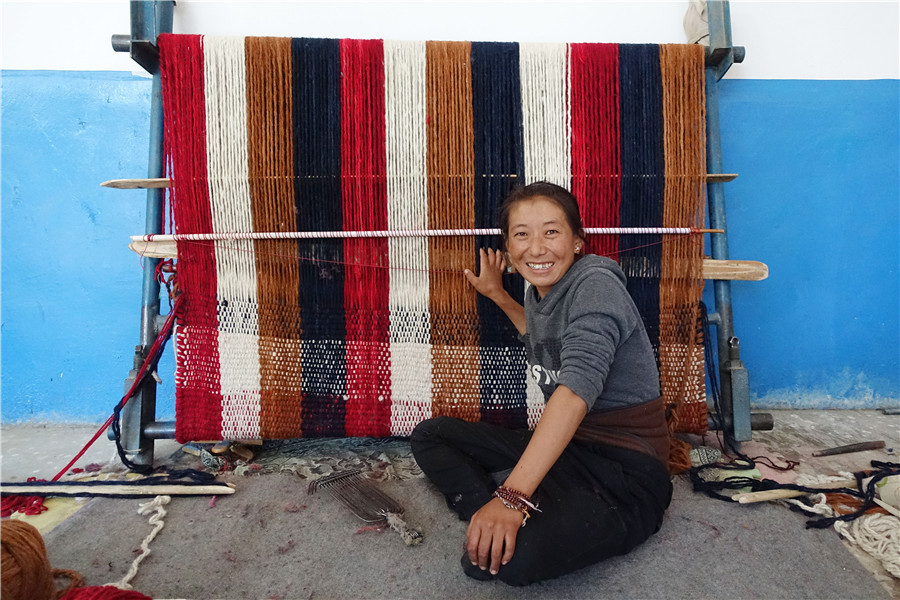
x=597, y=501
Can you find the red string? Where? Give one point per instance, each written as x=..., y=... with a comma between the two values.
x=154, y=349
x=29, y=505
x=106, y=592
x=33, y=505
x=364, y=195
x=596, y=165
x=182, y=71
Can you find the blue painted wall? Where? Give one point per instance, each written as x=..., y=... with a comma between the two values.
x=70, y=289
x=817, y=200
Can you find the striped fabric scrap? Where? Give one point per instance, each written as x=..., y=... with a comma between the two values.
x=369, y=336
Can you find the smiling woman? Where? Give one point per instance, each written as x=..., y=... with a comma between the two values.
x=593, y=474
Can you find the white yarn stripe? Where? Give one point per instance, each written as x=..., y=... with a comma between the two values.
x=229, y=193
x=546, y=120
x=404, y=88
x=547, y=138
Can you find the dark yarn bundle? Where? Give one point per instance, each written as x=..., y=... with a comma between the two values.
x=865, y=493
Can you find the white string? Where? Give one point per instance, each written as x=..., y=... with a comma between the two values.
x=155, y=506
x=387, y=233
x=876, y=534
x=230, y=205
x=547, y=141
x=546, y=121
x=407, y=208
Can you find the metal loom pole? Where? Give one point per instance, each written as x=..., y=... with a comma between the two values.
x=735, y=389
x=148, y=20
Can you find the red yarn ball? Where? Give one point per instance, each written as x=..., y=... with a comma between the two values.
x=103, y=592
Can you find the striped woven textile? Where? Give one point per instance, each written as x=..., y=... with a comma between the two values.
x=369, y=336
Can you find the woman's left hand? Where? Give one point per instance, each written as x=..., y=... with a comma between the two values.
x=491, y=536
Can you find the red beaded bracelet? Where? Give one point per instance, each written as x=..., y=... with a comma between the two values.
x=516, y=500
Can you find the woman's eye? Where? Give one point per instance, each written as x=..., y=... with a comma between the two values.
x=552, y=232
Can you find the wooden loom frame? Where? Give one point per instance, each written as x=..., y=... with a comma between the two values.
x=139, y=427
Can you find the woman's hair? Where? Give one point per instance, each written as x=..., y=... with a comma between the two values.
x=556, y=194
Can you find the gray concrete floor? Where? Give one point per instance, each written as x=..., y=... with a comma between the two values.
x=41, y=450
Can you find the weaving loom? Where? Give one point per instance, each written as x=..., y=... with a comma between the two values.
x=357, y=336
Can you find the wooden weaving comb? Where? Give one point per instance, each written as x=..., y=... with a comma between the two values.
x=358, y=493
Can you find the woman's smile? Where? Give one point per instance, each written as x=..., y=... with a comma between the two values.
x=541, y=244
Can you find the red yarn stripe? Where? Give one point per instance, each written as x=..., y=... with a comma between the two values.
x=596, y=163
x=364, y=195
x=198, y=395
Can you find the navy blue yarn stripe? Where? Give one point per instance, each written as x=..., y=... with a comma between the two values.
x=643, y=182
x=499, y=153
x=316, y=65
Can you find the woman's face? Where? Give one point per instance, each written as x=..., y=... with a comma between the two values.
x=540, y=243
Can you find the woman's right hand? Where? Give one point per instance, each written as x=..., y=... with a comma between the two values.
x=489, y=282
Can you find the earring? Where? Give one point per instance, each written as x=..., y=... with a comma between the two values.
x=577, y=249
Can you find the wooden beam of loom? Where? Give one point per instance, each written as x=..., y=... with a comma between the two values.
x=732, y=270
x=135, y=184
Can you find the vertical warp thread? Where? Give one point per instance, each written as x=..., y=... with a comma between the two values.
x=681, y=345
x=498, y=153
x=198, y=396
x=318, y=201
x=643, y=177
x=547, y=137
x=445, y=92
x=454, y=326
x=225, y=85
x=270, y=158
x=410, y=331
x=546, y=123
x=595, y=139
x=364, y=193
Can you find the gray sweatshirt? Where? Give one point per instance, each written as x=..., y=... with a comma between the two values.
x=587, y=334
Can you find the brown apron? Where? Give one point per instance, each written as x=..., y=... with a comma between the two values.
x=642, y=427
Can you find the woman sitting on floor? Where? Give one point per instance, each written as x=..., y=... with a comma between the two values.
x=591, y=481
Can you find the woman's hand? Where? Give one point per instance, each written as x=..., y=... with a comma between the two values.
x=489, y=282
x=491, y=536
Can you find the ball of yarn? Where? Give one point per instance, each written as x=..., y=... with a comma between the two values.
x=26, y=572
x=105, y=592
x=27, y=575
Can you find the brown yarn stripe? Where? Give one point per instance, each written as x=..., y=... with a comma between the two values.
x=451, y=204
x=680, y=345
x=270, y=155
